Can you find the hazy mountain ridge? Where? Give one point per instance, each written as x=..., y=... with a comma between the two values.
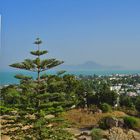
x=89, y=65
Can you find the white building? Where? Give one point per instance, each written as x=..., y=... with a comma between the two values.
x=132, y=94
x=115, y=88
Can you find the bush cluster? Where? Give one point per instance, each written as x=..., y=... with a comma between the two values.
x=96, y=134
x=106, y=107
x=131, y=122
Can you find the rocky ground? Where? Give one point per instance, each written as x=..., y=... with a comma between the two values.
x=84, y=122
x=114, y=133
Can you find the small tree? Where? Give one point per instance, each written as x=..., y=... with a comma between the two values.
x=36, y=102
x=105, y=95
x=126, y=101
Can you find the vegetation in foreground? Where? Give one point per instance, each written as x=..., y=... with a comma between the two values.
x=43, y=108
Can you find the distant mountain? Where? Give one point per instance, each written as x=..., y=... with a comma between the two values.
x=89, y=65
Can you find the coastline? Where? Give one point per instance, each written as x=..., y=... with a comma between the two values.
x=7, y=77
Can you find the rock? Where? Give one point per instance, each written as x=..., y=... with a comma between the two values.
x=50, y=125
x=111, y=122
x=73, y=106
x=133, y=135
x=86, y=133
x=30, y=116
x=94, y=110
x=84, y=138
x=80, y=134
x=14, y=112
x=99, y=111
x=81, y=138
x=49, y=116
x=117, y=133
x=4, y=137
x=76, y=132
x=120, y=123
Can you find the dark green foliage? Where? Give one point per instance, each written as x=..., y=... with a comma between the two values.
x=38, y=41
x=33, y=65
x=131, y=122
x=59, y=134
x=35, y=99
x=4, y=110
x=104, y=95
x=105, y=107
x=97, y=134
x=137, y=103
x=26, y=65
x=38, y=53
x=59, y=73
x=126, y=101
x=10, y=96
x=89, y=92
x=23, y=77
x=99, y=92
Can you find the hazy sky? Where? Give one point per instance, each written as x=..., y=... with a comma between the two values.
x=104, y=31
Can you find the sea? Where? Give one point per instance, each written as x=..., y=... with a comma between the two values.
x=7, y=77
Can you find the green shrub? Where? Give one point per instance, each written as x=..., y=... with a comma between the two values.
x=126, y=101
x=96, y=134
x=106, y=107
x=131, y=122
x=4, y=110
x=137, y=103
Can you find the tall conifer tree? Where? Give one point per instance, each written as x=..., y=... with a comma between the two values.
x=37, y=113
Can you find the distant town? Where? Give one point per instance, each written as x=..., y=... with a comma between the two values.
x=128, y=84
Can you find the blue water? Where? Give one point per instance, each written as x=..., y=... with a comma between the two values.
x=7, y=77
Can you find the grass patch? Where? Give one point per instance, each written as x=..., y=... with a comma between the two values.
x=80, y=118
